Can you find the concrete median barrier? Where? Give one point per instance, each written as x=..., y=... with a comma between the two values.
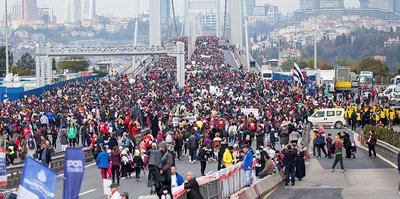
x=259, y=188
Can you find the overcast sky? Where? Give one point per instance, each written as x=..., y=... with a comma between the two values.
x=125, y=8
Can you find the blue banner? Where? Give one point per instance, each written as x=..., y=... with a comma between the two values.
x=74, y=168
x=37, y=181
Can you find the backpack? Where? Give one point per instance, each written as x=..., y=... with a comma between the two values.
x=318, y=140
x=333, y=147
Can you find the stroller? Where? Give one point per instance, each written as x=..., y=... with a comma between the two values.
x=353, y=149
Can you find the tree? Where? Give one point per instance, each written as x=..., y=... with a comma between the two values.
x=53, y=64
x=3, y=59
x=378, y=67
x=26, y=61
x=76, y=64
x=21, y=71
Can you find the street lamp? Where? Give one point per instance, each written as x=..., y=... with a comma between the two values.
x=6, y=34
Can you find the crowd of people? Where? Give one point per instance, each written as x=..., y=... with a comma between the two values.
x=204, y=120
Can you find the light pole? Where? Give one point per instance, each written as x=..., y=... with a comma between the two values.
x=6, y=34
x=246, y=33
x=315, y=35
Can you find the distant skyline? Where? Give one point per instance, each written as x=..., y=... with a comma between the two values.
x=126, y=8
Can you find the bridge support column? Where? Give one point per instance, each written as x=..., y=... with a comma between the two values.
x=236, y=23
x=180, y=64
x=155, y=23
x=49, y=71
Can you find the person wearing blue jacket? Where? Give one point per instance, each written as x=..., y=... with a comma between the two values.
x=176, y=178
x=247, y=165
x=102, y=162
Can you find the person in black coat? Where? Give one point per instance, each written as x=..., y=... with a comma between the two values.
x=202, y=157
x=112, y=142
x=347, y=144
x=300, y=165
x=192, y=186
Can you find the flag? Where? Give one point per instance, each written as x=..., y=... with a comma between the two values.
x=298, y=75
x=74, y=168
x=37, y=181
x=3, y=169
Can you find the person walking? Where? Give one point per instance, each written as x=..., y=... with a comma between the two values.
x=102, y=162
x=203, y=158
x=193, y=146
x=372, y=140
x=63, y=139
x=289, y=160
x=354, y=121
x=137, y=164
x=167, y=161
x=347, y=144
x=192, y=186
x=338, y=154
x=114, y=193
x=247, y=165
x=115, y=159
x=72, y=133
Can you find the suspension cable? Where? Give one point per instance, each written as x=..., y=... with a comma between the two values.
x=223, y=34
x=173, y=12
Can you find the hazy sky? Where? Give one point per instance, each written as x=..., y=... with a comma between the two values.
x=126, y=8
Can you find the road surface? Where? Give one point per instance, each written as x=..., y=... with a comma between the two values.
x=365, y=178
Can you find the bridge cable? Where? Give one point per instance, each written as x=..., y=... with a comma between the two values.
x=173, y=11
x=224, y=32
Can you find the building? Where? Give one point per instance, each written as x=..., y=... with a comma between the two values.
x=72, y=11
x=166, y=20
x=396, y=6
x=385, y=5
x=324, y=4
x=47, y=15
x=16, y=12
x=209, y=19
x=250, y=4
x=29, y=10
x=272, y=13
x=88, y=10
x=309, y=4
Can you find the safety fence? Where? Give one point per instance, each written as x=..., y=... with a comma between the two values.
x=219, y=185
x=19, y=93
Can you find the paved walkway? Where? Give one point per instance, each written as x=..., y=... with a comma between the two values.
x=365, y=178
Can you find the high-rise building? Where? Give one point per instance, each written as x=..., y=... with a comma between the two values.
x=324, y=4
x=364, y=4
x=396, y=6
x=88, y=8
x=16, y=12
x=309, y=4
x=29, y=10
x=166, y=12
x=73, y=11
x=272, y=14
x=250, y=4
x=385, y=5
x=47, y=15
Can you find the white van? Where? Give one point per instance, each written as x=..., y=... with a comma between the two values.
x=388, y=92
x=328, y=117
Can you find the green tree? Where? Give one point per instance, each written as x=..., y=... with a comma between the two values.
x=26, y=61
x=76, y=64
x=3, y=59
x=21, y=71
x=378, y=67
x=53, y=64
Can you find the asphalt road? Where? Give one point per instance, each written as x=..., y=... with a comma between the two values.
x=92, y=183
x=365, y=178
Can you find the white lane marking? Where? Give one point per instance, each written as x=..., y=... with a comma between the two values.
x=89, y=165
x=86, y=192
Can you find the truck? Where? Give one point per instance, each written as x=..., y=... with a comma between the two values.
x=366, y=80
x=343, y=79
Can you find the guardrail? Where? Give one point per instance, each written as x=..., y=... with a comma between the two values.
x=14, y=172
